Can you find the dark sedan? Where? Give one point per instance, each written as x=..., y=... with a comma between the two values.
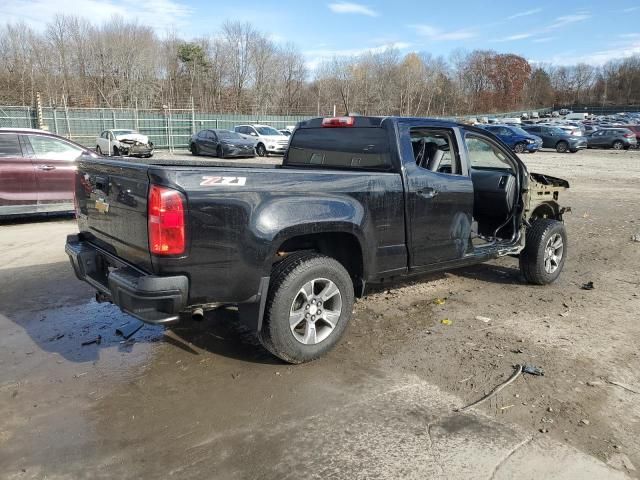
x=37, y=171
x=222, y=144
x=555, y=137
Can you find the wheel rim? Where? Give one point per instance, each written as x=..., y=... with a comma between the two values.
x=553, y=252
x=261, y=150
x=315, y=311
x=617, y=145
x=562, y=147
x=519, y=148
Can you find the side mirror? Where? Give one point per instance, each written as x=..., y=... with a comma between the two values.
x=253, y=134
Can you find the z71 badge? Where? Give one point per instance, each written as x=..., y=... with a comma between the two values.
x=214, y=181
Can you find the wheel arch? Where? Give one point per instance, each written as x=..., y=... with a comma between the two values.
x=343, y=246
x=549, y=209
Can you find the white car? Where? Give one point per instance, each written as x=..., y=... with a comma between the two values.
x=268, y=139
x=118, y=142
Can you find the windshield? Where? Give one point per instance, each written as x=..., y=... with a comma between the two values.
x=228, y=134
x=519, y=131
x=122, y=132
x=268, y=131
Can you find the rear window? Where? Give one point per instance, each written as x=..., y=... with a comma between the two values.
x=9, y=146
x=352, y=147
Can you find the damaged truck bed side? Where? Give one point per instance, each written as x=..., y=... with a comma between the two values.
x=357, y=201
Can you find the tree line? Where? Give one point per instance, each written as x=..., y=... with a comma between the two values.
x=242, y=70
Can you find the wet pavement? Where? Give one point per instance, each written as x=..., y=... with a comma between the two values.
x=204, y=400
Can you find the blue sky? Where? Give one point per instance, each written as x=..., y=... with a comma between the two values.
x=559, y=32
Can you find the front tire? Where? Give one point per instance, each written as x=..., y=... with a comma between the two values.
x=519, y=147
x=261, y=150
x=309, y=305
x=545, y=251
x=618, y=145
x=195, y=150
x=98, y=150
x=220, y=152
x=116, y=152
x=562, y=146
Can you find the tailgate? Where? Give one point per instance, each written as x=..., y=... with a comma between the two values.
x=112, y=208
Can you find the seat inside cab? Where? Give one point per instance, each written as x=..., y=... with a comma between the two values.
x=494, y=181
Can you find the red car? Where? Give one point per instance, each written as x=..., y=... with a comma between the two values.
x=37, y=171
x=635, y=129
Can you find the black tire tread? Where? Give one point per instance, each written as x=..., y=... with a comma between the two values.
x=281, y=274
x=530, y=264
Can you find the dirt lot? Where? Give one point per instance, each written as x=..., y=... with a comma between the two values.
x=204, y=400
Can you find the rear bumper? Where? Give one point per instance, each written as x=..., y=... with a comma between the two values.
x=150, y=298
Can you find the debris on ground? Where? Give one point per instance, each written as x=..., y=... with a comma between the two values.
x=519, y=370
x=533, y=370
x=128, y=342
x=622, y=385
x=595, y=383
x=635, y=238
x=439, y=301
x=95, y=340
x=587, y=286
x=56, y=337
x=621, y=462
x=483, y=319
x=585, y=422
x=129, y=328
x=446, y=321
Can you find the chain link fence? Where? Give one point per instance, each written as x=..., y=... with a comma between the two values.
x=167, y=128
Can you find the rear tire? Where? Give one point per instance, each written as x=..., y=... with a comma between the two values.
x=545, y=251
x=296, y=328
x=562, y=146
x=518, y=147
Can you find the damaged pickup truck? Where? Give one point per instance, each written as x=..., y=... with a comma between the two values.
x=124, y=143
x=357, y=201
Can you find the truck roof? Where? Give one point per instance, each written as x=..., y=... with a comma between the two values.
x=374, y=121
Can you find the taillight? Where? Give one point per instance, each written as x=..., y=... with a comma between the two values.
x=166, y=221
x=629, y=135
x=339, y=122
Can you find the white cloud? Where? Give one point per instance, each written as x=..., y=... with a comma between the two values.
x=599, y=57
x=162, y=15
x=567, y=20
x=519, y=36
x=317, y=56
x=357, y=8
x=435, y=34
x=543, y=39
x=525, y=13
x=630, y=9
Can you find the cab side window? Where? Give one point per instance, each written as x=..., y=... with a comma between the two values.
x=484, y=154
x=435, y=150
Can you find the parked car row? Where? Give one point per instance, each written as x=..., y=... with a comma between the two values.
x=243, y=141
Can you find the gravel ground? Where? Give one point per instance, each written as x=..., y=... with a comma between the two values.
x=205, y=400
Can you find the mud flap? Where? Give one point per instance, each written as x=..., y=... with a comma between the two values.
x=251, y=314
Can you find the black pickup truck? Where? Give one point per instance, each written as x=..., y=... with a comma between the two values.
x=356, y=201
